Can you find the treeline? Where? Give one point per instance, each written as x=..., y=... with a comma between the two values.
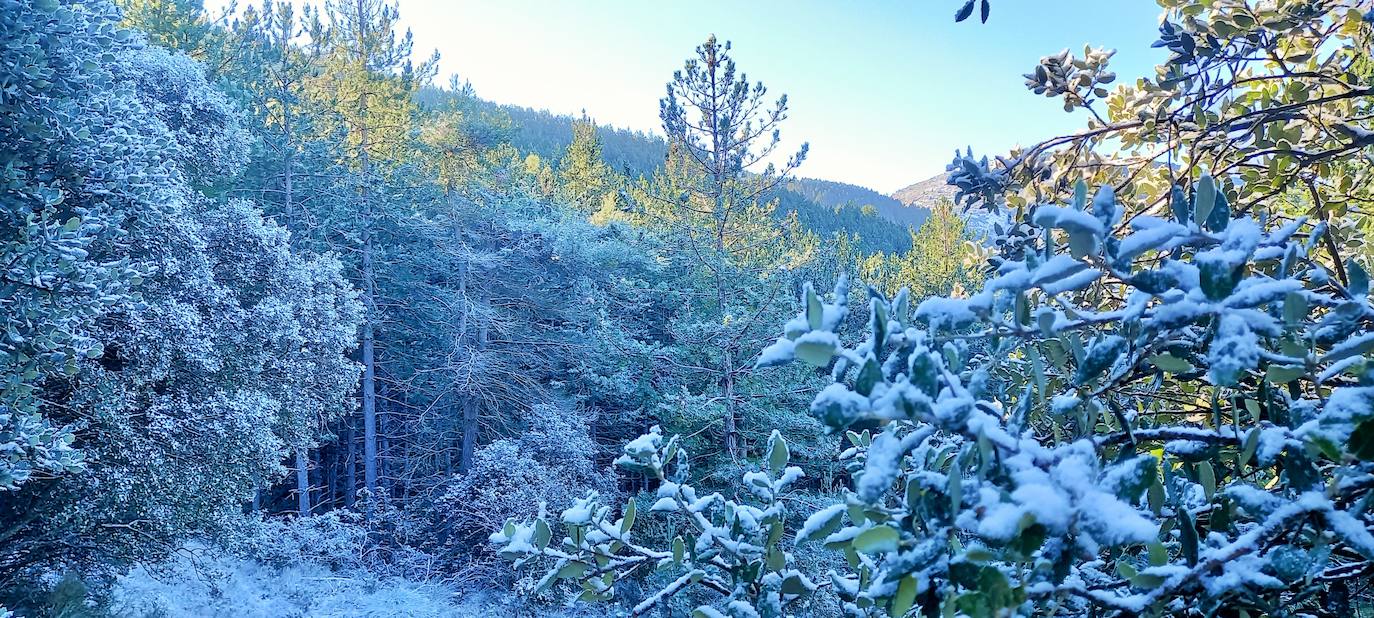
x=825, y=207
x=260, y=267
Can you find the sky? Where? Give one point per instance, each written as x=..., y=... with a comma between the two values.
x=883, y=91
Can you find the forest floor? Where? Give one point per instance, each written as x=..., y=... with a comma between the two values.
x=216, y=585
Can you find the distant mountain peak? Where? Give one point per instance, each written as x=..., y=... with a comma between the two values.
x=926, y=192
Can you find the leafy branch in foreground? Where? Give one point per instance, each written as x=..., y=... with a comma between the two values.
x=727, y=546
x=1201, y=443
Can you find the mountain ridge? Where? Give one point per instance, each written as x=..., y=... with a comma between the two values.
x=925, y=193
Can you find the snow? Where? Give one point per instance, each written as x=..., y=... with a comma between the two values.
x=581, y=511
x=1154, y=237
x=820, y=519
x=1068, y=219
x=211, y=583
x=1352, y=531
x=781, y=351
x=1234, y=351
x=1058, y=267
x=837, y=401
x=945, y=312
x=1261, y=290
x=880, y=471
x=1073, y=282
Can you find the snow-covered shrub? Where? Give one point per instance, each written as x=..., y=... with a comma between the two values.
x=550, y=463
x=1203, y=442
x=206, y=582
x=211, y=143
x=728, y=546
x=335, y=539
x=209, y=582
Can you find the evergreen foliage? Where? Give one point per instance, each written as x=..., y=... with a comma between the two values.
x=289, y=329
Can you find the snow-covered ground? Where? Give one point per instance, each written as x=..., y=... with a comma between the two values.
x=207, y=584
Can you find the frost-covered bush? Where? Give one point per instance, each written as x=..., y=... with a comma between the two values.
x=1204, y=441
x=730, y=546
x=211, y=142
x=75, y=161
x=334, y=539
x=550, y=463
x=202, y=581
x=1160, y=403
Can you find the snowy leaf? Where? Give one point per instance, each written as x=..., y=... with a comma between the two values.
x=877, y=540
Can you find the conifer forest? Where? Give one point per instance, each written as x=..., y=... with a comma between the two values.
x=292, y=325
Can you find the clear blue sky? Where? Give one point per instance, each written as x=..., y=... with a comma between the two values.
x=883, y=90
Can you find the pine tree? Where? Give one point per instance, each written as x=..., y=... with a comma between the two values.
x=366, y=84
x=584, y=179
x=721, y=131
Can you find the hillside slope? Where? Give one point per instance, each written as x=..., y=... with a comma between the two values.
x=822, y=206
x=926, y=192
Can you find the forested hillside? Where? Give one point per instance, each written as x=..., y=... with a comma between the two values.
x=824, y=207
x=290, y=330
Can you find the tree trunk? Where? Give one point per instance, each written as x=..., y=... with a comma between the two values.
x=470, y=411
x=370, y=318
x=731, y=416
x=329, y=459
x=302, y=482
x=350, y=464
x=385, y=478
x=369, y=394
x=469, y=435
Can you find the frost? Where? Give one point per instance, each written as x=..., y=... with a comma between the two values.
x=945, y=312
x=819, y=520
x=1235, y=351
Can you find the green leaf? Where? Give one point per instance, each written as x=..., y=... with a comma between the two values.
x=869, y=376
x=1102, y=355
x=816, y=353
x=814, y=312
x=775, y=560
x=905, y=597
x=629, y=520
x=1187, y=534
x=1154, y=495
x=1159, y=556
x=1170, y=363
x=678, y=549
x=956, y=489
x=1282, y=374
x=1082, y=244
x=1361, y=443
x=1204, y=198
x=964, y=11
x=877, y=540
x=1248, y=448
x=777, y=453
x=1359, y=279
x=1179, y=204
x=1207, y=477
x=542, y=534
x=573, y=570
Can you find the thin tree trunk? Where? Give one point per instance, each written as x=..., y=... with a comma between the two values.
x=302, y=482
x=329, y=459
x=468, y=420
x=385, y=479
x=470, y=411
x=469, y=435
x=350, y=465
x=369, y=321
